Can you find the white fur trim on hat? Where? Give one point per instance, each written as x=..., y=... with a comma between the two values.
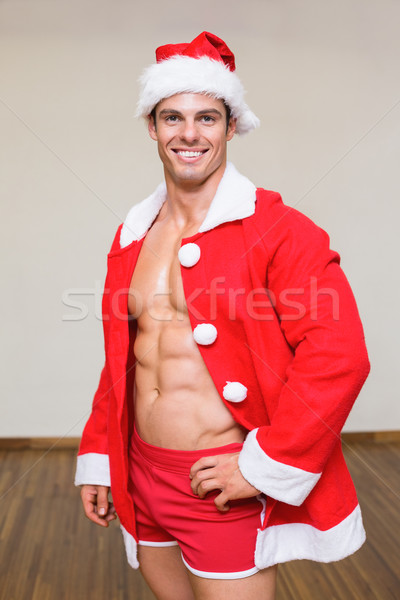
x=184, y=74
x=189, y=254
x=205, y=334
x=234, y=391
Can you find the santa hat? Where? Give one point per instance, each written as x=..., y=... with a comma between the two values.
x=205, y=66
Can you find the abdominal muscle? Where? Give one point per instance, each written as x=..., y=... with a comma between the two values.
x=176, y=403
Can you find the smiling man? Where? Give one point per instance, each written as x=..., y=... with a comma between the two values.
x=191, y=131
x=234, y=353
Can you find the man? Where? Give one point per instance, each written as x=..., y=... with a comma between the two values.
x=234, y=352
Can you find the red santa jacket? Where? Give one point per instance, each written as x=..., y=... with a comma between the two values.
x=278, y=329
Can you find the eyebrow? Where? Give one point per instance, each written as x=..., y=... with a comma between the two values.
x=171, y=111
x=213, y=111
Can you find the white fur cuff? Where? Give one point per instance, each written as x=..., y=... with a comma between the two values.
x=130, y=548
x=280, y=481
x=295, y=541
x=93, y=469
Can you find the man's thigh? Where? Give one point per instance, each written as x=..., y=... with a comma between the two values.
x=168, y=578
x=165, y=573
x=261, y=586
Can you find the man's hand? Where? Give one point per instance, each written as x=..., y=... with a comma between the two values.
x=220, y=473
x=96, y=505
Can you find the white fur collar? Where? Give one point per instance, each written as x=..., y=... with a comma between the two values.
x=234, y=199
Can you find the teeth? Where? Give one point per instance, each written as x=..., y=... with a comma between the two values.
x=189, y=154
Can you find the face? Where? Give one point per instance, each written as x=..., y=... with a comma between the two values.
x=191, y=134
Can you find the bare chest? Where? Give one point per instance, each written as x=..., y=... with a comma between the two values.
x=156, y=287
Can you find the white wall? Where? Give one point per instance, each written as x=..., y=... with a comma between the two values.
x=323, y=78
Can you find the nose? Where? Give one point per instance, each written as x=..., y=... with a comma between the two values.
x=189, y=131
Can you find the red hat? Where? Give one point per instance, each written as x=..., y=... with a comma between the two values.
x=204, y=66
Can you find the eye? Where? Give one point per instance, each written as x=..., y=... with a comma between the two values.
x=172, y=118
x=208, y=119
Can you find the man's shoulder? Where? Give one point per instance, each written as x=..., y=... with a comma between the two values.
x=270, y=207
x=276, y=221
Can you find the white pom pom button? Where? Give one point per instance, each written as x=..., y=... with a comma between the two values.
x=189, y=255
x=234, y=391
x=205, y=334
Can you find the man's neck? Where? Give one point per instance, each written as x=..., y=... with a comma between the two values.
x=188, y=201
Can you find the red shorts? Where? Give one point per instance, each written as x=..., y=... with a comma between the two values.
x=213, y=544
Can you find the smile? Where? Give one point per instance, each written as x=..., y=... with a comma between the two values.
x=190, y=153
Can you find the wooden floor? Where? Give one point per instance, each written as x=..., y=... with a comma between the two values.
x=50, y=551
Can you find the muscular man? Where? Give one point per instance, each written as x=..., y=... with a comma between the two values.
x=234, y=353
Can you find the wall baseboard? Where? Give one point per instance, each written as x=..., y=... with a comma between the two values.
x=72, y=443
x=371, y=436
x=39, y=443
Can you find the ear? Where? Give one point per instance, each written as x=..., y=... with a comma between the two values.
x=152, y=128
x=231, y=129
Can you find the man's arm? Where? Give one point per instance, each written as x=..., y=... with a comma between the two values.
x=92, y=460
x=330, y=364
x=93, y=469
